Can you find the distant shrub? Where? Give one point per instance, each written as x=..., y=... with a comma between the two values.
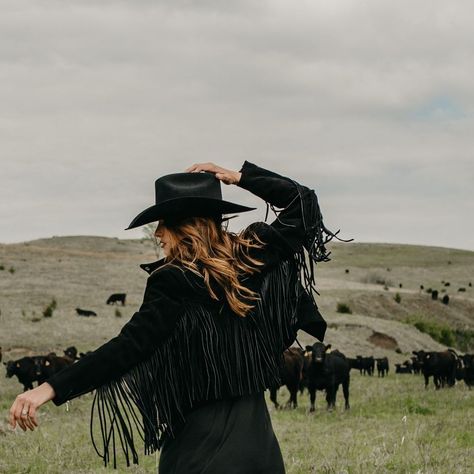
x=118, y=314
x=343, y=308
x=35, y=320
x=462, y=339
x=48, y=311
x=23, y=312
x=2, y=267
x=12, y=270
x=397, y=297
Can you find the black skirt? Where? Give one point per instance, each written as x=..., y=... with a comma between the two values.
x=232, y=436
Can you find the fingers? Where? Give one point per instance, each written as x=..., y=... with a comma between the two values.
x=224, y=175
x=33, y=415
x=23, y=414
x=202, y=167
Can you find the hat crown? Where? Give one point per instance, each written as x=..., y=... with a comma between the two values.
x=181, y=185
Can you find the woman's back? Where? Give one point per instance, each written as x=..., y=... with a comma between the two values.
x=185, y=350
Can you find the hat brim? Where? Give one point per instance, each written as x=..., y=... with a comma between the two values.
x=188, y=206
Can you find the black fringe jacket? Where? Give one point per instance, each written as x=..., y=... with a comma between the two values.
x=182, y=348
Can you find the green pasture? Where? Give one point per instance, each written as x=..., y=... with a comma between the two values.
x=394, y=426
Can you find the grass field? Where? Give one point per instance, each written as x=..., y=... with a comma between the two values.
x=394, y=425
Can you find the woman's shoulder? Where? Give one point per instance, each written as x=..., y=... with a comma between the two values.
x=171, y=280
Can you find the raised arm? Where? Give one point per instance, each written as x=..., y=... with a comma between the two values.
x=299, y=220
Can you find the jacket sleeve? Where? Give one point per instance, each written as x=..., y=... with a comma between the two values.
x=149, y=326
x=298, y=226
x=299, y=222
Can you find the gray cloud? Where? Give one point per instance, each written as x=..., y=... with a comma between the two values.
x=370, y=103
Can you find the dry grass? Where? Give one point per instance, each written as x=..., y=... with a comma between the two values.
x=374, y=437
x=394, y=425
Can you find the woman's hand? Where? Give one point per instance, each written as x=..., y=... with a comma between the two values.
x=25, y=406
x=225, y=175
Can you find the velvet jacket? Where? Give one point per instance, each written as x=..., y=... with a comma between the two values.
x=182, y=348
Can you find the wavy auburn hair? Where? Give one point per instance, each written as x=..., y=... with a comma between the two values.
x=204, y=245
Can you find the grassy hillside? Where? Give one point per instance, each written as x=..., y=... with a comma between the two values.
x=394, y=424
x=83, y=271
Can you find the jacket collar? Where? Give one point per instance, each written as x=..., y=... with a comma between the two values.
x=152, y=266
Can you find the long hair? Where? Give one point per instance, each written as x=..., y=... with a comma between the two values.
x=203, y=245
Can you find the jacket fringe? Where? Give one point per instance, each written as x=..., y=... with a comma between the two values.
x=208, y=356
x=212, y=354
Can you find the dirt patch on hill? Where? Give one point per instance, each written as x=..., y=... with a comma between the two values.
x=382, y=340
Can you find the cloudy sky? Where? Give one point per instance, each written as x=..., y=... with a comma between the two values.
x=369, y=102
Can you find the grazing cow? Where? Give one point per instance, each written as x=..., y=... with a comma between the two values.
x=85, y=312
x=440, y=365
x=51, y=364
x=117, y=298
x=366, y=365
x=402, y=369
x=466, y=374
x=71, y=352
x=291, y=375
x=447, y=283
x=434, y=295
x=445, y=299
x=382, y=366
x=326, y=371
x=25, y=371
x=355, y=363
x=462, y=289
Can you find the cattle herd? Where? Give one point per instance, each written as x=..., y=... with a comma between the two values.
x=318, y=367
x=38, y=368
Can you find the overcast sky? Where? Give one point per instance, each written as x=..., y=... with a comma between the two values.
x=369, y=102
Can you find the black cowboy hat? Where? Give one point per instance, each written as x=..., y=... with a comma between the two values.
x=181, y=195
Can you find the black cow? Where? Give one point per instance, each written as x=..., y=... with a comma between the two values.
x=366, y=365
x=416, y=364
x=291, y=375
x=355, y=363
x=402, y=369
x=51, y=364
x=85, y=312
x=71, y=352
x=326, y=371
x=117, y=298
x=468, y=360
x=306, y=361
x=382, y=366
x=24, y=369
x=466, y=374
x=440, y=365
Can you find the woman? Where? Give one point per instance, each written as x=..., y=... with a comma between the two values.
x=189, y=370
